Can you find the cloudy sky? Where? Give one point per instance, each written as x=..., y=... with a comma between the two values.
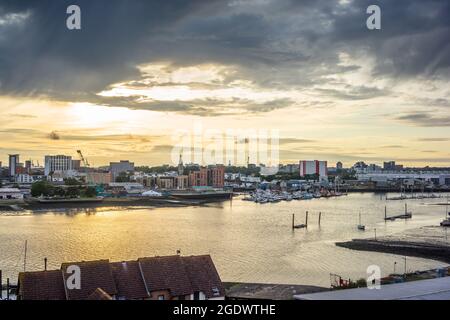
x=138, y=71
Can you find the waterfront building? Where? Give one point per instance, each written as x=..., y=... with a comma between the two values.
x=151, y=278
x=10, y=194
x=435, y=178
x=313, y=167
x=13, y=164
x=116, y=168
x=212, y=176
x=166, y=182
x=59, y=163
x=182, y=182
x=198, y=178
x=216, y=176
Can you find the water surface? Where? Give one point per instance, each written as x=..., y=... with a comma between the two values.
x=249, y=242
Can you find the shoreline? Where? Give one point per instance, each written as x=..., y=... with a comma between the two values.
x=425, y=242
x=108, y=202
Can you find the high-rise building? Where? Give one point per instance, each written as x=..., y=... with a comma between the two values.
x=59, y=163
x=313, y=167
x=13, y=164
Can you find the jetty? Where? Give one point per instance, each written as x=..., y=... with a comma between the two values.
x=406, y=215
x=425, y=242
x=300, y=226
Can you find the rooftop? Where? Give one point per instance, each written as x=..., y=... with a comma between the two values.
x=433, y=289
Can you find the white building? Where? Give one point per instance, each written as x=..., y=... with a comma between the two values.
x=438, y=178
x=58, y=163
x=313, y=167
x=10, y=194
x=24, y=178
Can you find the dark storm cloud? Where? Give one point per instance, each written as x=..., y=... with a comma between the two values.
x=423, y=119
x=354, y=93
x=275, y=44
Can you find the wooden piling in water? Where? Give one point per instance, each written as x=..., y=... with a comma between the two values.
x=306, y=221
x=293, y=221
x=320, y=216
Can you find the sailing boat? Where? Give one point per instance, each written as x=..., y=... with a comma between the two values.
x=361, y=226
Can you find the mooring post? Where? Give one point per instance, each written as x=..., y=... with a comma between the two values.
x=306, y=222
x=385, y=213
x=293, y=221
x=320, y=216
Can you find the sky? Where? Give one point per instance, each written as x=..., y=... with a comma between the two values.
x=140, y=76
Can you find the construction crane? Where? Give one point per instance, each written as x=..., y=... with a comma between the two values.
x=85, y=162
x=86, y=165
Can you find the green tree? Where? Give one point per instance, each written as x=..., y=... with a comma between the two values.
x=41, y=188
x=72, y=192
x=71, y=182
x=90, y=192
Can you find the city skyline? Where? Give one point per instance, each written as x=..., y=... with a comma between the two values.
x=334, y=90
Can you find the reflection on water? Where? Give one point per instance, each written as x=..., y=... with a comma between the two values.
x=248, y=242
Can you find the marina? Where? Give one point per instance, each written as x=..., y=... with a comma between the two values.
x=269, y=196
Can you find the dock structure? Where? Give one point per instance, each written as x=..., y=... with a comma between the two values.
x=406, y=215
x=299, y=226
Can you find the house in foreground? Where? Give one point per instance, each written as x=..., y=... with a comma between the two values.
x=151, y=278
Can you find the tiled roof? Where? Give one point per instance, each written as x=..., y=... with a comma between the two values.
x=204, y=276
x=94, y=274
x=41, y=285
x=128, y=278
x=166, y=273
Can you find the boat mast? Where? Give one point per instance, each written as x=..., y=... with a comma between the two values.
x=25, y=257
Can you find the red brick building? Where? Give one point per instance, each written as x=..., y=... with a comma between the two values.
x=213, y=176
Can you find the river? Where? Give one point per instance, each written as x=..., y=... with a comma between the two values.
x=248, y=242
